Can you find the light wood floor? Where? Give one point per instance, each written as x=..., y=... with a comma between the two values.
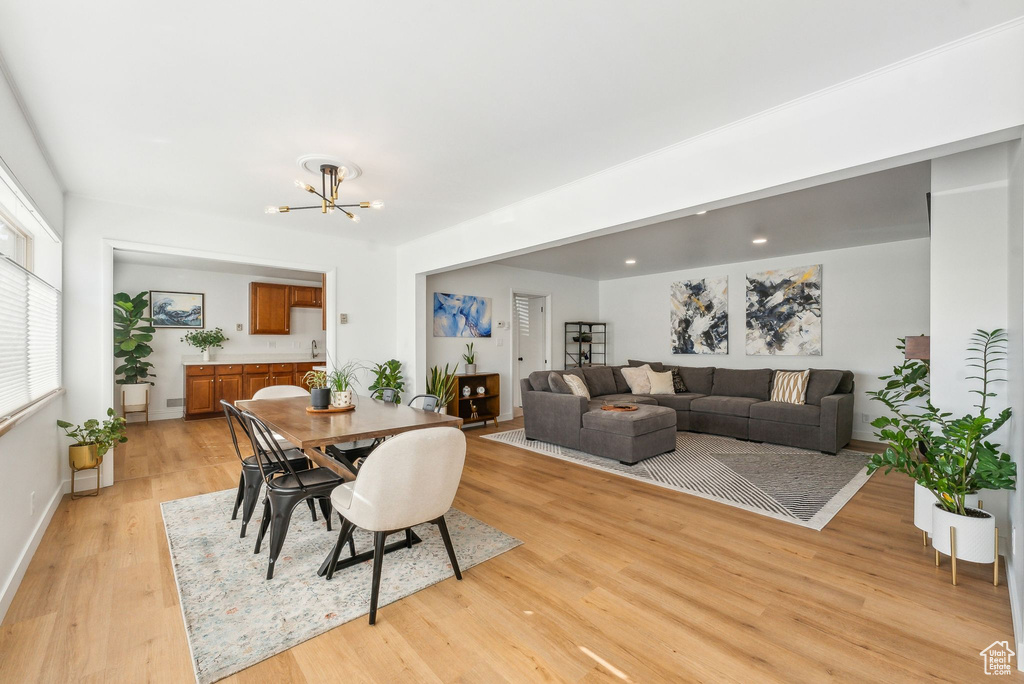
x=616, y=579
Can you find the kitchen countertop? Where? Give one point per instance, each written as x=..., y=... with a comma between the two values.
x=228, y=359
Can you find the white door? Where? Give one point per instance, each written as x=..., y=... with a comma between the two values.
x=530, y=337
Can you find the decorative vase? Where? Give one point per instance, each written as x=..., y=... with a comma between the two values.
x=84, y=456
x=470, y=369
x=206, y=355
x=975, y=534
x=466, y=391
x=320, y=398
x=342, y=398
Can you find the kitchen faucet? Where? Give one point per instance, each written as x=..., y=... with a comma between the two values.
x=313, y=350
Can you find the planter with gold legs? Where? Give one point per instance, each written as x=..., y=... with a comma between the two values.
x=84, y=457
x=973, y=538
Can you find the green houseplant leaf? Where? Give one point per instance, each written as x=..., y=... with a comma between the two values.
x=132, y=330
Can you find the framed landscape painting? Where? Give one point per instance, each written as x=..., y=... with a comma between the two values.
x=784, y=312
x=700, y=316
x=457, y=315
x=177, y=309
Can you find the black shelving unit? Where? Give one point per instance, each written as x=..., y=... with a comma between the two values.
x=579, y=352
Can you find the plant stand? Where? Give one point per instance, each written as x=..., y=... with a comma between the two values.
x=973, y=546
x=75, y=470
x=142, y=407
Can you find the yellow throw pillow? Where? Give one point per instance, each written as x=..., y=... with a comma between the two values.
x=578, y=387
x=661, y=383
x=637, y=379
x=790, y=387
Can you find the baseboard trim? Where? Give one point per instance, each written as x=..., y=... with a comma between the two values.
x=29, y=550
x=1015, y=608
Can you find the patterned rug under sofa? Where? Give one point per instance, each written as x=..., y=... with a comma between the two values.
x=802, y=487
x=234, y=618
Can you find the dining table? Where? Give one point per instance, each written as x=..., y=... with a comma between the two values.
x=312, y=432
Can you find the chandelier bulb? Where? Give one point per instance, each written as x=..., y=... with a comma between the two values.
x=354, y=217
x=377, y=204
x=271, y=210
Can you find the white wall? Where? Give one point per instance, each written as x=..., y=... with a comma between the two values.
x=870, y=297
x=571, y=299
x=226, y=304
x=364, y=285
x=1015, y=387
x=30, y=452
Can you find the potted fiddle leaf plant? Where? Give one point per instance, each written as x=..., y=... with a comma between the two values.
x=470, y=358
x=949, y=456
x=319, y=389
x=205, y=340
x=442, y=383
x=133, y=331
x=388, y=375
x=342, y=381
x=92, y=440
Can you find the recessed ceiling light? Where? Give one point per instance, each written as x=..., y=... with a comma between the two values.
x=630, y=262
x=759, y=241
x=701, y=213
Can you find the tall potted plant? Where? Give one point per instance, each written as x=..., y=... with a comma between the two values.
x=133, y=331
x=388, y=375
x=205, y=340
x=442, y=384
x=950, y=457
x=470, y=358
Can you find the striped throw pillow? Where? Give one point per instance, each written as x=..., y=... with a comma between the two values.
x=576, y=385
x=790, y=387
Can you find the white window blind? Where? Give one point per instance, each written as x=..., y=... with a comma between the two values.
x=29, y=338
x=522, y=314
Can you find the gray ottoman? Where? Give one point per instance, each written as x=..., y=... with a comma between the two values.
x=631, y=436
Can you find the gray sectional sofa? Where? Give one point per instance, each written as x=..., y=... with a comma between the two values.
x=722, y=401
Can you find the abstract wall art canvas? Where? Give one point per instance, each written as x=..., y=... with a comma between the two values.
x=700, y=316
x=457, y=315
x=176, y=309
x=784, y=312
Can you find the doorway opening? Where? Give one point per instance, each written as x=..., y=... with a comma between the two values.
x=531, y=339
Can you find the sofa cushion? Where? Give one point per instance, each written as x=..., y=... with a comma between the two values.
x=539, y=381
x=822, y=383
x=645, y=419
x=678, y=386
x=600, y=380
x=628, y=398
x=679, y=402
x=557, y=385
x=783, y=412
x=621, y=385
x=846, y=384
x=576, y=385
x=735, y=382
x=790, y=386
x=728, y=406
x=656, y=366
x=661, y=383
x=637, y=378
x=699, y=379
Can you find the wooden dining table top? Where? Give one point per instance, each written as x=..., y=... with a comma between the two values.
x=371, y=418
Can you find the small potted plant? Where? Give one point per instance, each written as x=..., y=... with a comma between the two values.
x=204, y=340
x=388, y=375
x=319, y=389
x=341, y=381
x=470, y=358
x=442, y=383
x=949, y=457
x=93, y=439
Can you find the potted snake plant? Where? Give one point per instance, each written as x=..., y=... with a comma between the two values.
x=442, y=384
x=470, y=358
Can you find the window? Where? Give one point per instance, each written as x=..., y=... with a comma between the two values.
x=14, y=243
x=29, y=337
x=522, y=314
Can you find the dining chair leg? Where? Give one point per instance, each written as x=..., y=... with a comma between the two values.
x=282, y=517
x=343, y=536
x=408, y=537
x=325, y=508
x=378, y=560
x=238, y=497
x=312, y=508
x=264, y=524
x=253, y=484
x=442, y=527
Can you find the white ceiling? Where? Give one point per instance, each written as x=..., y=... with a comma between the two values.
x=880, y=207
x=451, y=109
x=190, y=263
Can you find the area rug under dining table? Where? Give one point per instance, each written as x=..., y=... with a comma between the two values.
x=234, y=618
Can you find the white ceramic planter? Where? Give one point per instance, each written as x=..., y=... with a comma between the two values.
x=444, y=410
x=206, y=355
x=924, y=501
x=470, y=369
x=136, y=394
x=341, y=399
x=975, y=537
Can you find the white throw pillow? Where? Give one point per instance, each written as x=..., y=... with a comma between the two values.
x=661, y=383
x=637, y=379
x=578, y=387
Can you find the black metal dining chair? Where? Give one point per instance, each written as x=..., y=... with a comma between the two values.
x=286, y=488
x=250, y=480
x=385, y=394
x=431, y=402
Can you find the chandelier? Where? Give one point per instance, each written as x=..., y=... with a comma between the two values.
x=331, y=177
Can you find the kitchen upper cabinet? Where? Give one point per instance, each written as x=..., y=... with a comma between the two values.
x=307, y=297
x=269, y=309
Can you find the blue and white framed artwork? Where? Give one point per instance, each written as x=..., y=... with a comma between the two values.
x=457, y=315
x=176, y=309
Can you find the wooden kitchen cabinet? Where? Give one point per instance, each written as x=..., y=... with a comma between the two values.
x=200, y=390
x=269, y=309
x=207, y=385
x=300, y=371
x=229, y=384
x=282, y=374
x=309, y=297
x=256, y=377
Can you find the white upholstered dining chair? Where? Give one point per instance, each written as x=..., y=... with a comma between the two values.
x=281, y=392
x=408, y=480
